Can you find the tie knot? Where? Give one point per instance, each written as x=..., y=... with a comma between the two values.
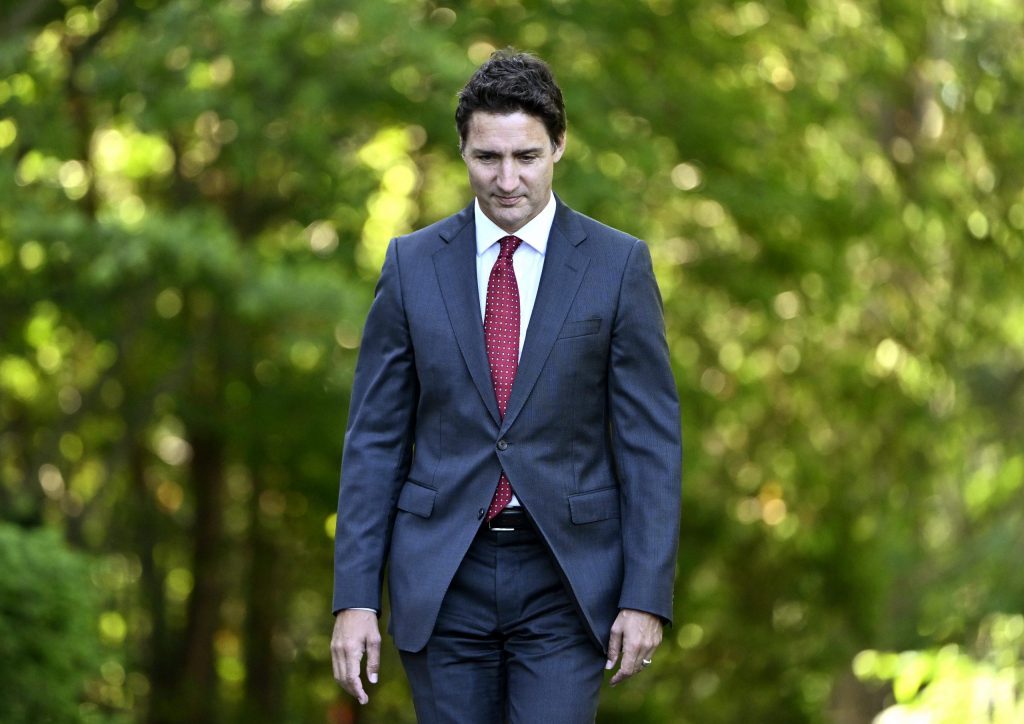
x=509, y=244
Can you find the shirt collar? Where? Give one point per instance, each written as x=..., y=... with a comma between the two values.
x=535, y=233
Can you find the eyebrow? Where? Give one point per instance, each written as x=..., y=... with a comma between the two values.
x=517, y=152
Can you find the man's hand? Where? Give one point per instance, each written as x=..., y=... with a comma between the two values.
x=355, y=631
x=635, y=634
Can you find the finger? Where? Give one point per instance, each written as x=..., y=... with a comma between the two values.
x=338, y=661
x=372, y=658
x=614, y=647
x=630, y=659
x=645, y=661
x=621, y=675
x=626, y=670
x=336, y=666
x=632, y=650
x=352, y=683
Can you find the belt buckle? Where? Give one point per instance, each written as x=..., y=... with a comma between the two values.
x=491, y=527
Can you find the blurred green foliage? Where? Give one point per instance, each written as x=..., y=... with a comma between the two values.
x=194, y=202
x=50, y=648
x=948, y=686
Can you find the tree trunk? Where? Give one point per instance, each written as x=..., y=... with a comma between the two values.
x=158, y=656
x=198, y=677
x=262, y=687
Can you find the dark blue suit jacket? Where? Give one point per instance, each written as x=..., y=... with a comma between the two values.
x=590, y=440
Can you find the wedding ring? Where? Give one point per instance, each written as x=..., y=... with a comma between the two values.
x=646, y=662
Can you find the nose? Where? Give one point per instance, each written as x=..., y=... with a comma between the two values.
x=507, y=179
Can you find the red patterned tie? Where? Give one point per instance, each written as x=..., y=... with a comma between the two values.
x=501, y=333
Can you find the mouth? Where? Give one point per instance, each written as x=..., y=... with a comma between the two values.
x=507, y=200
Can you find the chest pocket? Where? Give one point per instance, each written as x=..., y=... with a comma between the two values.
x=580, y=328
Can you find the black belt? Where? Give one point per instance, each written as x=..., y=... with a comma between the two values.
x=510, y=519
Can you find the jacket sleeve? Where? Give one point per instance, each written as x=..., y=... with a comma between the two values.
x=378, y=444
x=646, y=440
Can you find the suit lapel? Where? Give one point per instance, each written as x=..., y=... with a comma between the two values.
x=564, y=267
x=455, y=265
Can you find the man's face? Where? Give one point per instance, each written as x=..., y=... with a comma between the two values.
x=510, y=160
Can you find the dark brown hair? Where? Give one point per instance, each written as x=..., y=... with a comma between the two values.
x=508, y=82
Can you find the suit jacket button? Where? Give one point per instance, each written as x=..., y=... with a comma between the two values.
x=502, y=445
x=480, y=514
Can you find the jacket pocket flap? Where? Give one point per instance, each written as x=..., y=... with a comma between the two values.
x=595, y=505
x=417, y=499
x=580, y=328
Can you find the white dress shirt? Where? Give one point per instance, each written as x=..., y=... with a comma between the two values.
x=528, y=262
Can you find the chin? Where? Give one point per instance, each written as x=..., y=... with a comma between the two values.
x=505, y=219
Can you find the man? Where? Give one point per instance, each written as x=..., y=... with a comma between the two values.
x=513, y=446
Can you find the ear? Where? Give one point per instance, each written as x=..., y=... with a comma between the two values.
x=559, y=149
